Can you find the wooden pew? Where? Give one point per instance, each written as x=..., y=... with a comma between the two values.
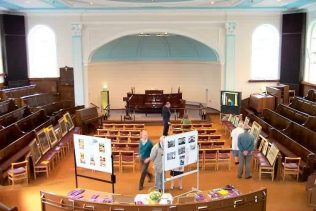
x=275, y=120
x=14, y=151
x=35, y=121
x=88, y=118
x=17, y=92
x=9, y=135
x=38, y=99
x=290, y=148
x=302, y=135
x=303, y=105
x=292, y=114
x=251, y=201
x=310, y=123
x=7, y=106
x=311, y=95
x=14, y=116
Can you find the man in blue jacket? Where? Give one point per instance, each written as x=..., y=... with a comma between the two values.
x=166, y=118
x=245, y=146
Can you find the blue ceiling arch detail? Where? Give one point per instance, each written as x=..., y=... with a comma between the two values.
x=154, y=48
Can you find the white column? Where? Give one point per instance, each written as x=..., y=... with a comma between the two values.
x=230, y=71
x=78, y=64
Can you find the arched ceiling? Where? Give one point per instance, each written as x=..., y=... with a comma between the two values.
x=53, y=5
x=154, y=46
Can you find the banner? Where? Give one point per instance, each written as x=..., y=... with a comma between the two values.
x=180, y=150
x=93, y=153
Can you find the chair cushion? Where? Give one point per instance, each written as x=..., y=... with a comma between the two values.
x=210, y=156
x=127, y=158
x=19, y=170
x=290, y=165
x=223, y=155
x=265, y=163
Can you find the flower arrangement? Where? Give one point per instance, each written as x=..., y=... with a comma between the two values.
x=155, y=196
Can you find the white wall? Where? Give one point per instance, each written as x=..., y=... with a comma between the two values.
x=206, y=27
x=193, y=78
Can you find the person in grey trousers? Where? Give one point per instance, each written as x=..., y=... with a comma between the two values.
x=245, y=146
x=156, y=156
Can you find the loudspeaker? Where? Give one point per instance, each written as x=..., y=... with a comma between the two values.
x=14, y=50
x=292, y=49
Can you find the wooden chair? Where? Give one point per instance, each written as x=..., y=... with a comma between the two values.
x=134, y=139
x=129, y=126
x=291, y=166
x=117, y=159
x=218, y=144
x=135, y=133
x=224, y=157
x=210, y=157
x=186, y=128
x=42, y=167
x=123, y=139
x=18, y=171
x=128, y=160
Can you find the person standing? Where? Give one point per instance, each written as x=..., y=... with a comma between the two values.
x=234, y=134
x=246, y=146
x=156, y=156
x=145, y=146
x=185, y=120
x=166, y=118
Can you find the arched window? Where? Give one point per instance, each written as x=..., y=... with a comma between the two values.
x=310, y=67
x=265, y=53
x=42, y=52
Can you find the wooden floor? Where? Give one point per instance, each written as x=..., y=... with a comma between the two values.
x=288, y=196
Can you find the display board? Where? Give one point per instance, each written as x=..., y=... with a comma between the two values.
x=93, y=153
x=180, y=150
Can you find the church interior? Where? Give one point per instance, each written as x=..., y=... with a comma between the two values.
x=96, y=95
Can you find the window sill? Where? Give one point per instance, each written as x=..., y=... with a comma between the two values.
x=262, y=81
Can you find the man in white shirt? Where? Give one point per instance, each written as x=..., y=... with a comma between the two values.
x=234, y=134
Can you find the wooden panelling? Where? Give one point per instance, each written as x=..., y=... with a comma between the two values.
x=45, y=85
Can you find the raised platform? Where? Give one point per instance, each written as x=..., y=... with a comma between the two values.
x=194, y=112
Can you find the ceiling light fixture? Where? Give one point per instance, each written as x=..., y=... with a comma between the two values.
x=212, y=2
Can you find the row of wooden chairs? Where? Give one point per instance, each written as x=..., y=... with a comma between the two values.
x=124, y=158
x=191, y=126
x=111, y=132
x=121, y=139
x=215, y=157
x=211, y=144
x=123, y=126
x=202, y=131
x=265, y=160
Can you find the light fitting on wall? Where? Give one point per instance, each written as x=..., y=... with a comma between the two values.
x=158, y=34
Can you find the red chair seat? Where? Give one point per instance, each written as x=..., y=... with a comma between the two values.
x=291, y=165
x=210, y=156
x=223, y=155
x=19, y=170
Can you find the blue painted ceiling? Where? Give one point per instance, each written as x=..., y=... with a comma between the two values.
x=87, y=5
x=153, y=47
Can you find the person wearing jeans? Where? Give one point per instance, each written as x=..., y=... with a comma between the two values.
x=145, y=146
x=245, y=146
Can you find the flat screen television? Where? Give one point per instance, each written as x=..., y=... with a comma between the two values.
x=230, y=102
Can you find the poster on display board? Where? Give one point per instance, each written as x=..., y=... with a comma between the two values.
x=180, y=150
x=93, y=153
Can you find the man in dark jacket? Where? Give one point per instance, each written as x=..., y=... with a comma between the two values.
x=166, y=118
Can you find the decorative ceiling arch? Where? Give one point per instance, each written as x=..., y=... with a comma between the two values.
x=154, y=47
